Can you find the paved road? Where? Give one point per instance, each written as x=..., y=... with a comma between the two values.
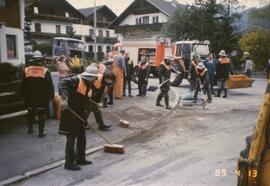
x=188, y=148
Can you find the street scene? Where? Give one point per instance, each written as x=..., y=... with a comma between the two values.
x=134, y=92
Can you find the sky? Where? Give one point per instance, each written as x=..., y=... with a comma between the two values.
x=118, y=6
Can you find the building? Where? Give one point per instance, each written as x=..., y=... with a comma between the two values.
x=106, y=37
x=144, y=19
x=11, y=31
x=50, y=19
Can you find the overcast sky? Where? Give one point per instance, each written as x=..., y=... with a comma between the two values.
x=118, y=6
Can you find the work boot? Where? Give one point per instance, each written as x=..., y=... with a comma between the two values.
x=168, y=107
x=41, y=125
x=72, y=167
x=104, y=127
x=110, y=103
x=159, y=98
x=84, y=162
x=218, y=93
x=225, y=93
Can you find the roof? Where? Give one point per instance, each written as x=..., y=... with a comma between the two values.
x=90, y=10
x=164, y=6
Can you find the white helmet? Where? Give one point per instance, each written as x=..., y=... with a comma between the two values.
x=200, y=66
x=37, y=54
x=222, y=53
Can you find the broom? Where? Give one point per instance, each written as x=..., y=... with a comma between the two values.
x=110, y=147
x=123, y=123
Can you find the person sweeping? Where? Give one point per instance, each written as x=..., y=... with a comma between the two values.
x=75, y=95
x=202, y=82
x=164, y=80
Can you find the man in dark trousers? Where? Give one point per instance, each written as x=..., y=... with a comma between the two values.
x=97, y=96
x=164, y=80
x=129, y=72
x=38, y=91
x=202, y=82
x=143, y=75
x=75, y=94
x=223, y=70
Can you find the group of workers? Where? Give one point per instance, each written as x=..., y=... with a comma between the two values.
x=83, y=93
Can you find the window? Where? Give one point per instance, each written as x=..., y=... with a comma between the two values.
x=138, y=21
x=100, y=48
x=66, y=14
x=11, y=46
x=100, y=33
x=91, y=32
x=145, y=19
x=36, y=10
x=108, y=49
x=69, y=29
x=58, y=29
x=155, y=19
x=107, y=33
x=37, y=27
x=2, y=3
x=90, y=48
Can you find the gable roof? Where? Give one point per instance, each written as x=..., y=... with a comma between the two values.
x=90, y=10
x=164, y=6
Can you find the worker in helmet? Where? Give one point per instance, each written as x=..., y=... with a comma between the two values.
x=202, y=82
x=164, y=81
x=38, y=90
x=75, y=94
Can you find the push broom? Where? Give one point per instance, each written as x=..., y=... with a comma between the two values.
x=123, y=123
x=110, y=147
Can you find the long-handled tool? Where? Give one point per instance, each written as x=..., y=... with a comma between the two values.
x=123, y=123
x=153, y=88
x=110, y=147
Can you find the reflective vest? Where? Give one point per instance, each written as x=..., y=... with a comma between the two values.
x=224, y=60
x=201, y=74
x=35, y=71
x=81, y=89
x=98, y=82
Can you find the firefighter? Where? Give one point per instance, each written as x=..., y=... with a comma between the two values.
x=143, y=74
x=76, y=92
x=97, y=97
x=223, y=70
x=192, y=71
x=38, y=91
x=202, y=82
x=128, y=77
x=164, y=80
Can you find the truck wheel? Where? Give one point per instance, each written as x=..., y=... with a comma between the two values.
x=177, y=81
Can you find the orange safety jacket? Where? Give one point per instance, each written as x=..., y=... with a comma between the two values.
x=35, y=71
x=224, y=60
x=82, y=87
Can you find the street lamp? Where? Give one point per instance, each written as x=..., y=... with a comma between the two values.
x=95, y=30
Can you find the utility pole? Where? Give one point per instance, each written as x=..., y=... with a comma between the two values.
x=95, y=30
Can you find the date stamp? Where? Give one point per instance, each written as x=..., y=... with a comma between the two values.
x=225, y=172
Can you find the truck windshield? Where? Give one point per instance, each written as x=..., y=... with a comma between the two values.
x=202, y=50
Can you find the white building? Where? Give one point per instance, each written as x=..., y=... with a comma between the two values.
x=11, y=31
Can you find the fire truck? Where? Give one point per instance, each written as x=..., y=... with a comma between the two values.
x=154, y=51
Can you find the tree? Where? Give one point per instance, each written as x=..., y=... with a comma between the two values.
x=260, y=17
x=205, y=20
x=257, y=43
x=70, y=32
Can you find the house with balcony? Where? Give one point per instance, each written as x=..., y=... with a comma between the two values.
x=106, y=37
x=50, y=19
x=144, y=19
x=11, y=31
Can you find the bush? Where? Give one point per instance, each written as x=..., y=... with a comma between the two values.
x=257, y=43
x=9, y=72
x=44, y=48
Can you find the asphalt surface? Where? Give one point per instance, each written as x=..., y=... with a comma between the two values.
x=21, y=152
x=191, y=146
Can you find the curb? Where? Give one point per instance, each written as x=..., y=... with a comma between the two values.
x=59, y=163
